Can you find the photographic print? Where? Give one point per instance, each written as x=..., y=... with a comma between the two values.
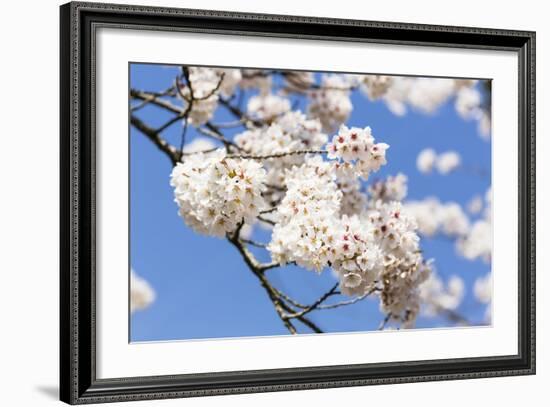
x=326, y=219
x=270, y=202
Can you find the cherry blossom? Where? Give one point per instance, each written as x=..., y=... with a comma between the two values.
x=315, y=195
x=201, y=93
x=434, y=217
x=331, y=104
x=231, y=79
x=307, y=223
x=437, y=296
x=478, y=242
x=447, y=162
x=142, y=294
x=357, y=146
x=255, y=78
x=298, y=81
x=425, y=162
x=393, y=188
x=483, y=291
x=216, y=193
x=267, y=106
x=199, y=144
x=475, y=205
x=288, y=133
x=376, y=86
x=353, y=199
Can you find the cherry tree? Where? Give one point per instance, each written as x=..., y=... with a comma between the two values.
x=305, y=175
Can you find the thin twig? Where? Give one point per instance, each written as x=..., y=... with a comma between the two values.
x=183, y=133
x=268, y=221
x=277, y=155
x=452, y=315
x=274, y=264
x=153, y=99
x=291, y=301
x=149, y=97
x=229, y=125
x=384, y=322
x=173, y=120
x=209, y=150
x=319, y=301
x=348, y=302
x=310, y=325
x=211, y=132
x=192, y=97
x=239, y=114
x=253, y=243
x=276, y=187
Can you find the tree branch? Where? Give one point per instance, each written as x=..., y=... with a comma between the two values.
x=215, y=133
x=154, y=99
x=283, y=310
x=253, y=243
x=319, y=301
x=452, y=315
x=277, y=155
x=155, y=137
x=239, y=114
x=348, y=302
x=384, y=322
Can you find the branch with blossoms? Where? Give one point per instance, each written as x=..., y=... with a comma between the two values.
x=283, y=172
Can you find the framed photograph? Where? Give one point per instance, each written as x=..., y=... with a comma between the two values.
x=255, y=203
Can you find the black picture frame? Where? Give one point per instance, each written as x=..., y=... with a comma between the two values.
x=78, y=382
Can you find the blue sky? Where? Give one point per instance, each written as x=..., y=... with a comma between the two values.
x=204, y=290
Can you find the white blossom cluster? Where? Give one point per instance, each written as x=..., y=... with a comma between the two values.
x=436, y=295
x=478, y=242
x=199, y=144
x=201, y=94
x=357, y=146
x=357, y=258
x=255, y=78
x=216, y=193
x=393, y=188
x=205, y=86
x=268, y=106
x=298, y=81
x=289, y=132
x=376, y=86
x=331, y=104
x=434, y=217
x=426, y=95
x=323, y=215
x=445, y=162
x=475, y=205
x=474, y=239
x=231, y=79
x=404, y=269
x=468, y=104
x=423, y=94
x=307, y=216
x=142, y=294
x=353, y=200
x=377, y=248
x=483, y=291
